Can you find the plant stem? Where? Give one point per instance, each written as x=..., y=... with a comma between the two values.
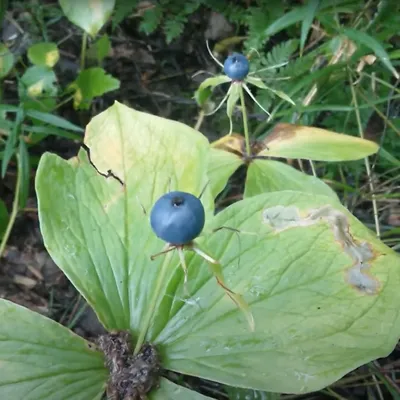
x=14, y=211
x=62, y=102
x=153, y=303
x=245, y=122
x=366, y=160
x=200, y=120
x=83, y=50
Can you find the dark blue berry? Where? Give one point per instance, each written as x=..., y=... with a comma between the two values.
x=236, y=66
x=177, y=217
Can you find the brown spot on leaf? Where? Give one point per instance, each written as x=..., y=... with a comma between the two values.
x=233, y=143
x=282, y=131
x=358, y=275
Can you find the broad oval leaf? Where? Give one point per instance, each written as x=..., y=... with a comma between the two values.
x=271, y=176
x=322, y=288
x=89, y=15
x=42, y=360
x=296, y=141
x=37, y=81
x=221, y=166
x=6, y=60
x=44, y=54
x=95, y=227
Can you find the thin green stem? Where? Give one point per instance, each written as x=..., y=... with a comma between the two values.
x=366, y=160
x=153, y=303
x=62, y=102
x=200, y=120
x=83, y=50
x=14, y=211
x=245, y=122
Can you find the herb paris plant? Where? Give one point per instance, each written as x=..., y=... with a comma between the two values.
x=316, y=279
x=236, y=68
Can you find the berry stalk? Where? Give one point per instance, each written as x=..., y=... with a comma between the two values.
x=245, y=121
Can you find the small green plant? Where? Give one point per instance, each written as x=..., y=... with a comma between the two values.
x=316, y=280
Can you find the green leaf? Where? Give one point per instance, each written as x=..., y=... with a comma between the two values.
x=311, y=11
x=38, y=81
x=89, y=15
x=202, y=97
x=53, y=120
x=204, y=91
x=171, y=391
x=44, y=54
x=42, y=130
x=214, y=82
x=221, y=166
x=292, y=17
x=299, y=14
x=3, y=218
x=41, y=359
x=271, y=176
x=317, y=282
x=296, y=141
x=91, y=83
x=366, y=40
x=260, y=84
x=6, y=60
x=92, y=222
x=100, y=49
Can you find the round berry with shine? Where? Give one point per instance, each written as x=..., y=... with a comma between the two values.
x=236, y=66
x=177, y=217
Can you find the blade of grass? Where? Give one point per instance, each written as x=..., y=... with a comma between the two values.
x=12, y=141
x=367, y=165
x=53, y=120
x=25, y=170
x=312, y=8
x=373, y=44
x=14, y=211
